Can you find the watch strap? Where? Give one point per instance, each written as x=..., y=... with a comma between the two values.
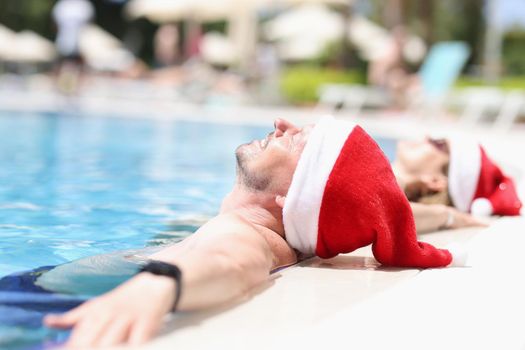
x=161, y=268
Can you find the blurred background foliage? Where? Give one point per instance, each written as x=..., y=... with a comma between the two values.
x=432, y=20
x=514, y=52
x=300, y=84
x=28, y=14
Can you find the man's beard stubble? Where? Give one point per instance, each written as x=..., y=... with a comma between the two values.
x=245, y=175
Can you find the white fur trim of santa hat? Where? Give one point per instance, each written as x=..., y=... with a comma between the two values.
x=303, y=201
x=463, y=172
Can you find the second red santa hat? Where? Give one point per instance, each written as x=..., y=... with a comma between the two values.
x=344, y=196
x=477, y=185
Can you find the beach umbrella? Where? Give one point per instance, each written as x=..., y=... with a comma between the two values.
x=102, y=51
x=7, y=38
x=372, y=40
x=324, y=2
x=217, y=48
x=312, y=20
x=241, y=15
x=165, y=11
x=158, y=11
x=28, y=46
x=303, y=32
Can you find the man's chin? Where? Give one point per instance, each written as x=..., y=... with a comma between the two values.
x=240, y=153
x=246, y=151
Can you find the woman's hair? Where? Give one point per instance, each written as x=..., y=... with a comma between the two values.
x=417, y=191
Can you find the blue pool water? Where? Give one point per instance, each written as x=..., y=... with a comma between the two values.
x=73, y=187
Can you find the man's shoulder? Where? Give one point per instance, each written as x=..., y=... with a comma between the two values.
x=230, y=223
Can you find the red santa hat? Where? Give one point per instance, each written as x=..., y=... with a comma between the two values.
x=344, y=196
x=477, y=185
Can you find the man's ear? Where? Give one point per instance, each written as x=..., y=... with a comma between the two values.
x=279, y=200
x=436, y=183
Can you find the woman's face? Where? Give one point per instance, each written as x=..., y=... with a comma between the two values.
x=422, y=161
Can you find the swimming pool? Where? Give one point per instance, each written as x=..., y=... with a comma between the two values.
x=73, y=186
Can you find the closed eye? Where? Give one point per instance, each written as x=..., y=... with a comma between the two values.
x=439, y=144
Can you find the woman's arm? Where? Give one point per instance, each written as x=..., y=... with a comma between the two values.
x=220, y=263
x=434, y=217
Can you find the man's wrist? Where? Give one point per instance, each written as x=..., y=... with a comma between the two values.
x=448, y=218
x=167, y=270
x=162, y=287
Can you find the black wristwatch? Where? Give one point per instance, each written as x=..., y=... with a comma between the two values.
x=161, y=268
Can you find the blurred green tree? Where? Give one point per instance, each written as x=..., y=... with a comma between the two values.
x=33, y=15
x=436, y=20
x=513, y=52
x=461, y=20
x=36, y=15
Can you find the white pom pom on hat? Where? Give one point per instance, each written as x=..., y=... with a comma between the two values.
x=481, y=207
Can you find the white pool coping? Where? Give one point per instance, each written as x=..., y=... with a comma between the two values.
x=350, y=301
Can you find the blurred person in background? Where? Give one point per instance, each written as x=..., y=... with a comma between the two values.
x=168, y=62
x=452, y=183
x=390, y=72
x=166, y=46
x=71, y=17
x=266, y=72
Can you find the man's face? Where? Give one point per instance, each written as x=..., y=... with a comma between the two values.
x=423, y=161
x=269, y=164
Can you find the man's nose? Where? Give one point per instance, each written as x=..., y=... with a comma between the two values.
x=280, y=129
x=282, y=126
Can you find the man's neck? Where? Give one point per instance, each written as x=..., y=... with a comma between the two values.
x=258, y=208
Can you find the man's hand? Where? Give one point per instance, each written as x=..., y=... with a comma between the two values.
x=459, y=219
x=131, y=313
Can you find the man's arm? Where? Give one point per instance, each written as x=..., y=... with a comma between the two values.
x=433, y=217
x=222, y=261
